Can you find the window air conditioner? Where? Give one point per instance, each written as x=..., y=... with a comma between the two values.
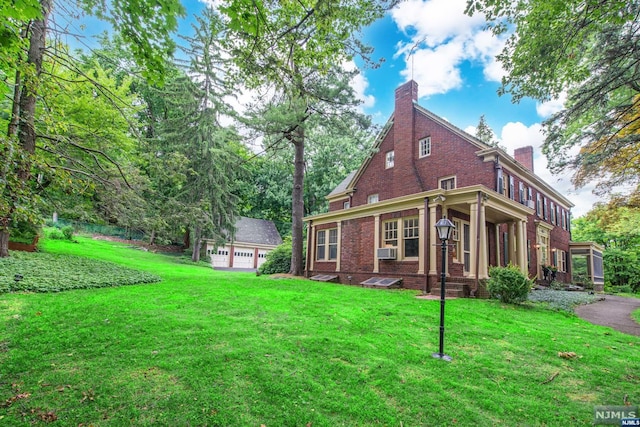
x=386, y=253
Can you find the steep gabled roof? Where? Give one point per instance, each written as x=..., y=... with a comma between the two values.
x=256, y=231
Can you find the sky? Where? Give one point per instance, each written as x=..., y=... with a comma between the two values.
x=451, y=57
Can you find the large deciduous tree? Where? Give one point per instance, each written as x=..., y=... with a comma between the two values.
x=590, y=50
x=146, y=28
x=293, y=49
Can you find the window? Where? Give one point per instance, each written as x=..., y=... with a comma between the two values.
x=512, y=188
x=500, y=183
x=521, y=193
x=320, y=245
x=462, y=243
x=553, y=213
x=389, y=160
x=564, y=219
x=505, y=185
x=529, y=194
x=346, y=205
x=561, y=260
x=539, y=204
x=333, y=243
x=327, y=250
x=391, y=233
x=411, y=240
x=425, y=147
x=545, y=208
x=448, y=183
x=373, y=198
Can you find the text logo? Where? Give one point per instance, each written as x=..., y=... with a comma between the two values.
x=615, y=415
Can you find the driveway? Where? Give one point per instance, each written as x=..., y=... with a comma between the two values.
x=614, y=312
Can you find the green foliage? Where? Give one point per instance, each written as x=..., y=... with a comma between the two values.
x=54, y=233
x=622, y=269
x=67, y=231
x=42, y=272
x=24, y=232
x=509, y=284
x=278, y=260
x=562, y=300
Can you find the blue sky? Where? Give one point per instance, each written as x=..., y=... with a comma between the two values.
x=451, y=57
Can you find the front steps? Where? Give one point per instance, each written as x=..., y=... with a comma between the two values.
x=452, y=290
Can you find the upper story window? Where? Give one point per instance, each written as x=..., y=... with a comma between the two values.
x=389, y=160
x=448, y=183
x=539, y=204
x=425, y=147
x=346, y=205
x=512, y=188
x=545, y=208
x=372, y=198
x=521, y=193
x=553, y=213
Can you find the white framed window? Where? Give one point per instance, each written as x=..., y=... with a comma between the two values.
x=346, y=205
x=327, y=245
x=512, y=188
x=521, y=193
x=389, y=159
x=462, y=244
x=545, y=208
x=447, y=183
x=425, y=147
x=553, y=213
x=539, y=204
x=410, y=238
x=390, y=238
x=372, y=198
x=505, y=185
x=560, y=260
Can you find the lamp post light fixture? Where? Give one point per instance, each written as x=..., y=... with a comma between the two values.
x=444, y=228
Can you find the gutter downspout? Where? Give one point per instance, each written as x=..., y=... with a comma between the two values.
x=308, y=257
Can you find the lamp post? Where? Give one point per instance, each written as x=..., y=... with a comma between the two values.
x=444, y=228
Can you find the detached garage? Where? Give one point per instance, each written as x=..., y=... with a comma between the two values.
x=248, y=247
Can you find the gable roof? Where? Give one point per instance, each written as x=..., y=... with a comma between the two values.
x=256, y=231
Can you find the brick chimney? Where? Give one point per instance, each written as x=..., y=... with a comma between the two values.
x=403, y=139
x=524, y=156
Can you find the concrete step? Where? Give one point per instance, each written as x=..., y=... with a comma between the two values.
x=452, y=290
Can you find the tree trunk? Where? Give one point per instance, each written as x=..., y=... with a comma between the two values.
x=152, y=238
x=186, y=241
x=297, y=208
x=197, y=242
x=23, y=109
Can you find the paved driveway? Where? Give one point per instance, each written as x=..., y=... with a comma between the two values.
x=614, y=312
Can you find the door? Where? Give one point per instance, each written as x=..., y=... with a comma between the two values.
x=220, y=258
x=243, y=257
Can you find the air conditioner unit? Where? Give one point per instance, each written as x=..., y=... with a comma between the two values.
x=387, y=253
x=530, y=204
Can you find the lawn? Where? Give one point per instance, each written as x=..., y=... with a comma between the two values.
x=209, y=348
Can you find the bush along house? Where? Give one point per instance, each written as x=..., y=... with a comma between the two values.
x=379, y=229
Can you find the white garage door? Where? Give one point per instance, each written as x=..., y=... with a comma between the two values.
x=243, y=258
x=262, y=256
x=221, y=258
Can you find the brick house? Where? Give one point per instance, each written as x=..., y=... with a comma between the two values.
x=380, y=225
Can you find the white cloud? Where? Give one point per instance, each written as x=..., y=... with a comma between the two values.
x=546, y=109
x=441, y=38
x=360, y=84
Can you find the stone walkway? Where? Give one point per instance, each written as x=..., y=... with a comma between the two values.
x=614, y=312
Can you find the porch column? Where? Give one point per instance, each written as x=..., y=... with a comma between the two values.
x=432, y=240
x=522, y=246
x=498, y=244
x=483, y=271
x=421, y=240
x=514, y=234
x=312, y=251
x=339, y=246
x=376, y=242
x=473, y=238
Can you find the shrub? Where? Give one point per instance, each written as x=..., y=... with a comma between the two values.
x=55, y=234
x=278, y=260
x=68, y=232
x=509, y=284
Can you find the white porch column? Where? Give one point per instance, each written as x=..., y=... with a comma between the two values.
x=513, y=239
x=312, y=252
x=421, y=236
x=483, y=270
x=473, y=238
x=339, y=246
x=498, y=243
x=432, y=240
x=522, y=246
x=376, y=242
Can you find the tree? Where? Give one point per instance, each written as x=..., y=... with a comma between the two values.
x=590, y=50
x=484, y=133
x=291, y=49
x=145, y=26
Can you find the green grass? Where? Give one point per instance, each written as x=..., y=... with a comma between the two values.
x=212, y=348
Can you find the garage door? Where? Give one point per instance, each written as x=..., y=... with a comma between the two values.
x=262, y=256
x=243, y=258
x=220, y=258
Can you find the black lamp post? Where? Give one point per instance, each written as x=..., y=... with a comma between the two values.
x=444, y=228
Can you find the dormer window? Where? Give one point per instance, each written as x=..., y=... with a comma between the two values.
x=389, y=159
